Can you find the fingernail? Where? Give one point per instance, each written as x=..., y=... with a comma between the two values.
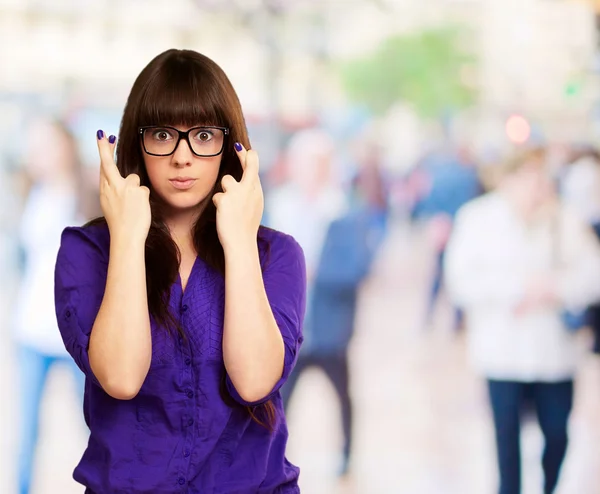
x=112, y=139
x=100, y=134
x=237, y=146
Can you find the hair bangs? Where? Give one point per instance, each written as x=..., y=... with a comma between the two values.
x=181, y=93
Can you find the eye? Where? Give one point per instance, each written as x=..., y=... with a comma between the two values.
x=162, y=135
x=204, y=135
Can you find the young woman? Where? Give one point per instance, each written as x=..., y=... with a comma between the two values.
x=519, y=261
x=184, y=314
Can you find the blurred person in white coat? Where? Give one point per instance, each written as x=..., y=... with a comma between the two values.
x=518, y=262
x=55, y=199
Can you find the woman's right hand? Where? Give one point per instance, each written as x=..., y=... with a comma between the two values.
x=125, y=203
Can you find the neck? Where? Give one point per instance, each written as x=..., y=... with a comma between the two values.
x=528, y=212
x=181, y=226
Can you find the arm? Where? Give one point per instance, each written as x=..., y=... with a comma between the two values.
x=263, y=311
x=263, y=318
x=111, y=341
x=120, y=343
x=103, y=316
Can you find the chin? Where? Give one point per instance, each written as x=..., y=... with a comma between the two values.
x=185, y=203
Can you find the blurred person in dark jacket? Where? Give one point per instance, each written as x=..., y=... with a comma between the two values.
x=345, y=260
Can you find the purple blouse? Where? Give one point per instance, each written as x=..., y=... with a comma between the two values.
x=188, y=429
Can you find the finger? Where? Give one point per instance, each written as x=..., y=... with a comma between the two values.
x=146, y=190
x=241, y=152
x=217, y=198
x=112, y=141
x=103, y=181
x=107, y=161
x=252, y=166
x=227, y=183
x=133, y=179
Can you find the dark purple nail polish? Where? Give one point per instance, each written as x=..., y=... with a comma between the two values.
x=100, y=134
x=112, y=139
x=237, y=146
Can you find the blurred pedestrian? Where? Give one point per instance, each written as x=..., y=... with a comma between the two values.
x=448, y=179
x=53, y=201
x=311, y=196
x=341, y=233
x=517, y=263
x=370, y=189
x=580, y=190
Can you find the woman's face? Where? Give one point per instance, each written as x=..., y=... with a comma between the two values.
x=535, y=186
x=182, y=180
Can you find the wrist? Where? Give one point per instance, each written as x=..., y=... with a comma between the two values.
x=242, y=249
x=242, y=243
x=127, y=243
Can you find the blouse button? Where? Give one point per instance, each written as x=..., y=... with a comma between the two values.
x=186, y=453
x=190, y=394
x=184, y=308
x=191, y=422
x=181, y=481
x=188, y=361
x=68, y=314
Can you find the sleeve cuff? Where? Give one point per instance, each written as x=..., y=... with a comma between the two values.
x=291, y=355
x=78, y=347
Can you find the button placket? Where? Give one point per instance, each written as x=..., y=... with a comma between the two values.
x=187, y=388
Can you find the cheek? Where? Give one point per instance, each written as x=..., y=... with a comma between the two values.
x=155, y=170
x=210, y=170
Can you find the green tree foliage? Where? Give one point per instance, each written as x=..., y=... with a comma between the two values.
x=429, y=70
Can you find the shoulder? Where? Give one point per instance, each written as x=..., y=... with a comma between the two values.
x=77, y=241
x=277, y=245
x=82, y=260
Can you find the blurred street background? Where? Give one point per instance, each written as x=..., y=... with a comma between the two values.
x=395, y=112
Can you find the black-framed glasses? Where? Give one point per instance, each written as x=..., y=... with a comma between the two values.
x=205, y=141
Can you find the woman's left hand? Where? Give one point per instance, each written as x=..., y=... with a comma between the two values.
x=240, y=205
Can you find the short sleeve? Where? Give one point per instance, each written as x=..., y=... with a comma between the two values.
x=285, y=284
x=79, y=283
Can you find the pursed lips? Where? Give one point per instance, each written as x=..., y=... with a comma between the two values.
x=182, y=182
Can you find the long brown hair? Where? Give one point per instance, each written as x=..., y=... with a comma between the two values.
x=183, y=87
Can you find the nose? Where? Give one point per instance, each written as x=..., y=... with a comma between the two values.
x=183, y=155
